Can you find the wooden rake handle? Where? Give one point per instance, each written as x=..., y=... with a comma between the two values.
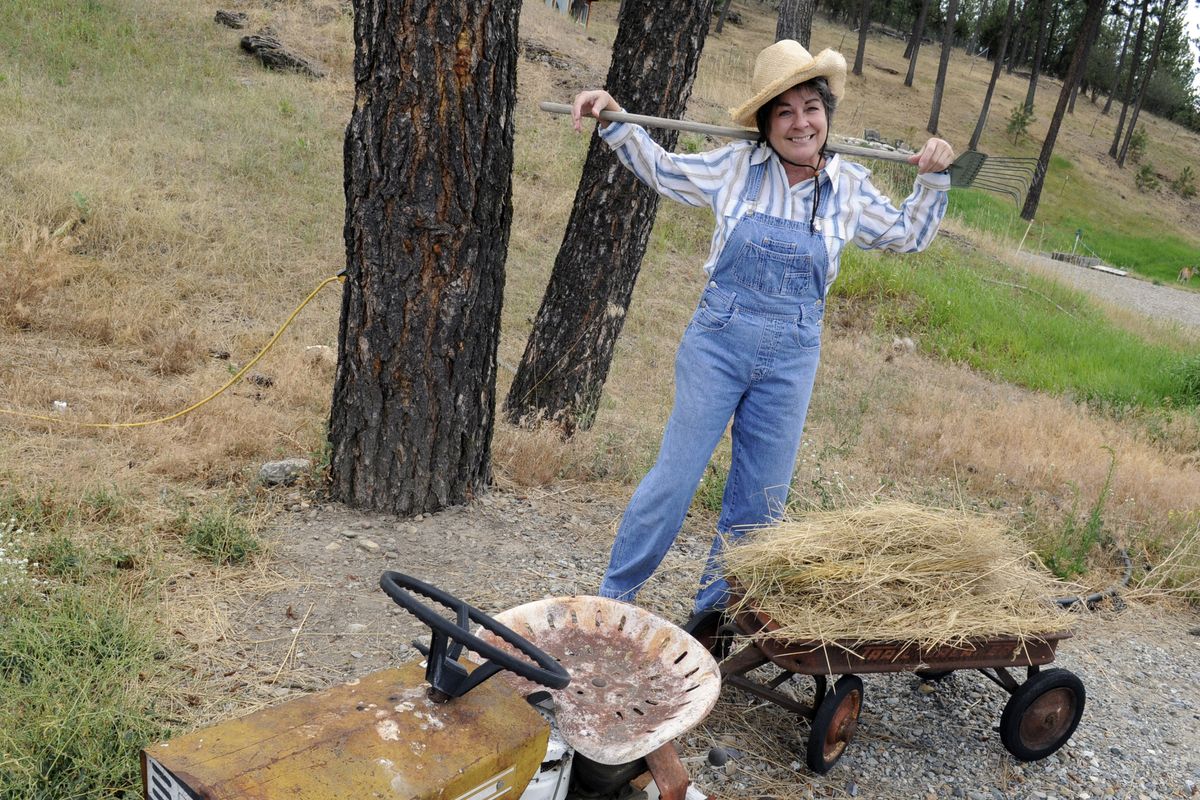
x=724, y=133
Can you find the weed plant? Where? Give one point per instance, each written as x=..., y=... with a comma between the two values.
x=219, y=535
x=1067, y=553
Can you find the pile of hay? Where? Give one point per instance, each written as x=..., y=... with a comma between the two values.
x=895, y=572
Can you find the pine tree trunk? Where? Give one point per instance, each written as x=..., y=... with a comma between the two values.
x=1163, y=21
x=724, y=13
x=1089, y=28
x=1129, y=81
x=914, y=43
x=943, y=66
x=795, y=20
x=570, y=349
x=1026, y=31
x=428, y=166
x=1038, y=53
x=987, y=98
x=1082, y=79
x=864, y=27
x=1120, y=65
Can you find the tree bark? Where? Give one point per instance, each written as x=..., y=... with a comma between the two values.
x=1081, y=78
x=428, y=166
x=1026, y=31
x=1133, y=69
x=570, y=349
x=1090, y=25
x=864, y=27
x=1156, y=48
x=724, y=13
x=1039, y=51
x=943, y=66
x=915, y=43
x=987, y=98
x=1112, y=92
x=795, y=20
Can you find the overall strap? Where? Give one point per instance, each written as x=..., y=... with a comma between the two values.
x=754, y=179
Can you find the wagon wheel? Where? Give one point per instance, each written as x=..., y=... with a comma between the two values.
x=834, y=724
x=1042, y=714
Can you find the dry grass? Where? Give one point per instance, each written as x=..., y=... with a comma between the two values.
x=177, y=205
x=894, y=572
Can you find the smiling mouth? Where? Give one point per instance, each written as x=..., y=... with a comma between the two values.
x=801, y=139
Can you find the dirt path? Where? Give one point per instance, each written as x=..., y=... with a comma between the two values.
x=1166, y=303
x=323, y=620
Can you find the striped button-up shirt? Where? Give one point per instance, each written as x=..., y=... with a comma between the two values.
x=856, y=212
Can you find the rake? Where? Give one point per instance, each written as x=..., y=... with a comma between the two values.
x=1006, y=175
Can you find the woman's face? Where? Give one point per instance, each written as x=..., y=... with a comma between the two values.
x=797, y=125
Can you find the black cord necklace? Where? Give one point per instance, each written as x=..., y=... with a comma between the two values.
x=812, y=221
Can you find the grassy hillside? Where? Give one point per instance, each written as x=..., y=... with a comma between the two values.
x=166, y=203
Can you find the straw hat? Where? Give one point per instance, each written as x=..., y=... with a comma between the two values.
x=783, y=65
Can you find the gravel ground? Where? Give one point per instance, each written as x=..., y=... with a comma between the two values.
x=327, y=622
x=1164, y=302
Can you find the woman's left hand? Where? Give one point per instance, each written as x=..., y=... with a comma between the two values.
x=936, y=156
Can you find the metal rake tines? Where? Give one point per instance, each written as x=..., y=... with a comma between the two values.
x=1007, y=175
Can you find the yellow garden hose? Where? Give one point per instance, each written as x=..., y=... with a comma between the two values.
x=341, y=276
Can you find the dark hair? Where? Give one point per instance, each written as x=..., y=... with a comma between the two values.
x=762, y=117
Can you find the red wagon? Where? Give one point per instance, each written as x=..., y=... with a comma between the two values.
x=1039, y=717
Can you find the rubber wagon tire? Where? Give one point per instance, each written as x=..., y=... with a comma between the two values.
x=1042, y=714
x=834, y=724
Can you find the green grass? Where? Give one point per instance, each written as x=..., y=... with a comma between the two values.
x=79, y=656
x=967, y=309
x=1106, y=227
x=75, y=702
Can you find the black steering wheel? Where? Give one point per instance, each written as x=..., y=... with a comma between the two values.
x=447, y=677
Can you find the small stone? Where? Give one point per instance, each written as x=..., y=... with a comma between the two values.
x=321, y=356
x=285, y=473
x=356, y=627
x=717, y=756
x=355, y=654
x=368, y=545
x=231, y=19
x=333, y=546
x=349, y=534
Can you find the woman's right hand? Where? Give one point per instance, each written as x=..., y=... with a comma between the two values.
x=591, y=102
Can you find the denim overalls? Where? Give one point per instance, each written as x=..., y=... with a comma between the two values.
x=750, y=351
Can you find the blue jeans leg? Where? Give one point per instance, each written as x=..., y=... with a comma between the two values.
x=707, y=389
x=767, y=428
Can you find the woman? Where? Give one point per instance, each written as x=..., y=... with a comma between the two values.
x=785, y=209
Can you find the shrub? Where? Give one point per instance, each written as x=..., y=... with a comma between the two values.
x=1185, y=184
x=1018, y=123
x=1145, y=179
x=1137, y=145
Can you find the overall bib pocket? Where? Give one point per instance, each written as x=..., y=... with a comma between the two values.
x=715, y=312
x=774, y=266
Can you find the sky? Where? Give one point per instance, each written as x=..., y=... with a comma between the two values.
x=1193, y=33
